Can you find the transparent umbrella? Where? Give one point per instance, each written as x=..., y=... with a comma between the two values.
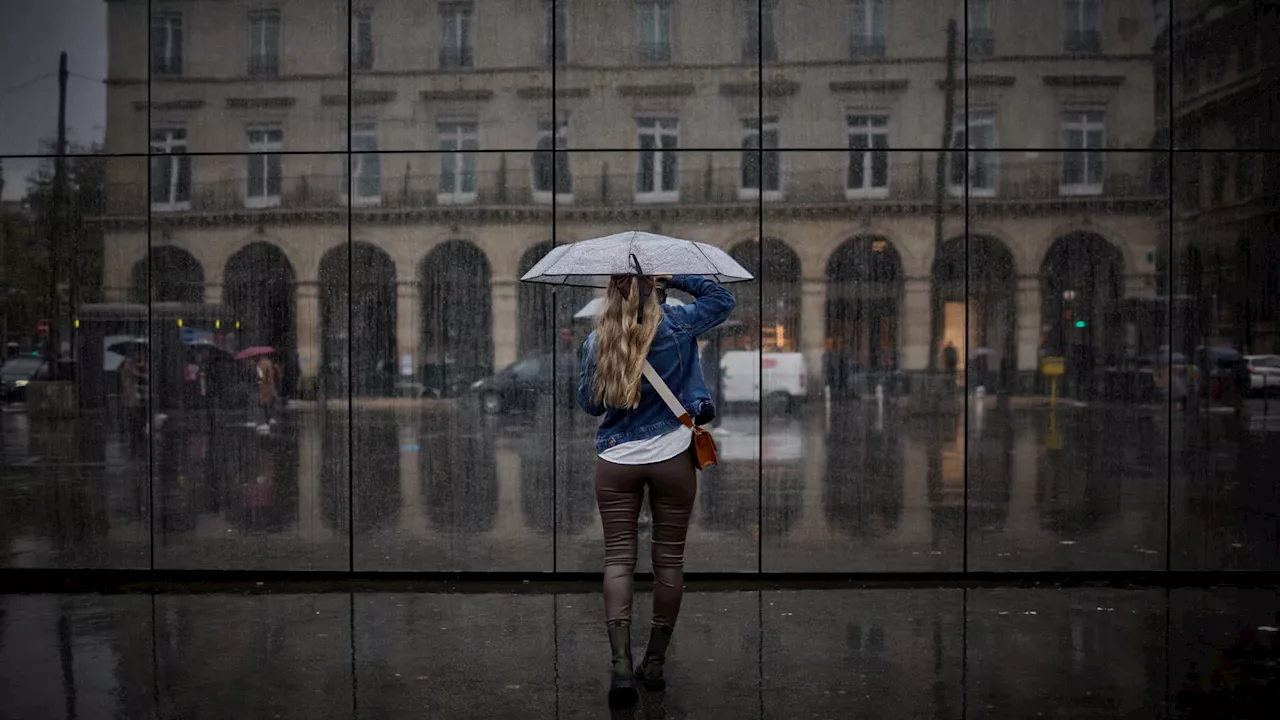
x=596, y=306
x=590, y=263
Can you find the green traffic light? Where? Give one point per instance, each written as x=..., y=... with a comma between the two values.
x=1081, y=323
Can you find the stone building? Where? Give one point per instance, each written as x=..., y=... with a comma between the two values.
x=374, y=176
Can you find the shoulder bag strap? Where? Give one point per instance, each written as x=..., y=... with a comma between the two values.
x=658, y=384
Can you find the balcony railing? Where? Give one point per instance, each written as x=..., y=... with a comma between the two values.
x=1124, y=177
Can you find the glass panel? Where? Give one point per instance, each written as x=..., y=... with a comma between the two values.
x=659, y=57
x=106, y=91
x=723, y=529
x=469, y=69
x=1226, y=281
x=244, y=67
x=863, y=57
x=1107, y=55
x=249, y=472
x=1066, y=472
x=74, y=487
x=862, y=434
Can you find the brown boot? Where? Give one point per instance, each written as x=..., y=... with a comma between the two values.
x=650, y=671
x=622, y=689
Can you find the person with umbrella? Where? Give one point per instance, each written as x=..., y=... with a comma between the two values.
x=640, y=442
x=267, y=378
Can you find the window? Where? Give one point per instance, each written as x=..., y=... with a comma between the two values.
x=550, y=168
x=1083, y=22
x=760, y=43
x=557, y=32
x=362, y=40
x=866, y=28
x=363, y=183
x=455, y=36
x=1083, y=137
x=655, y=30
x=263, y=188
x=760, y=159
x=458, y=145
x=868, y=174
x=981, y=43
x=170, y=170
x=978, y=166
x=166, y=44
x=264, y=42
x=658, y=171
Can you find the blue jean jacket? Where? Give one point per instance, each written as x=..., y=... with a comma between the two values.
x=674, y=355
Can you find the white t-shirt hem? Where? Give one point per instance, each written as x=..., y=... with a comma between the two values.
x=651, y=450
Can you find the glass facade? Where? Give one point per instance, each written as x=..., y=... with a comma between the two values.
x=1016, y=302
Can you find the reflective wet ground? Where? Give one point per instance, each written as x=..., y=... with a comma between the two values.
x=788, y=653
x=854, y=488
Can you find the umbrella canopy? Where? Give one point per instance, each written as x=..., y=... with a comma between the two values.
x=128, y=347
x=596, y=306
x=254, y=352
x=590, y=263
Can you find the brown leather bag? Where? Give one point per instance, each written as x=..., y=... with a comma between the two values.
x=704, y=446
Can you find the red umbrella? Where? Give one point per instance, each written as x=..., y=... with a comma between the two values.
x=254, y=352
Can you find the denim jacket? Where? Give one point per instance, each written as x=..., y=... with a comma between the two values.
x=674, y=355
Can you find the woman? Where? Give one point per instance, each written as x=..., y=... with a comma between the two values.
x=642, y=444
x=268, y=386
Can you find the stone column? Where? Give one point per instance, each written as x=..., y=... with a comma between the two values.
x=1028, y=318
x=914, y=321
x=308, y=323
x=1140, y=286
x=813, y=330
x=213, y=293
x=505, y=315
x=408, y=325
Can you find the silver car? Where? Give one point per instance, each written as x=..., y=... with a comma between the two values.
x=1264, y=372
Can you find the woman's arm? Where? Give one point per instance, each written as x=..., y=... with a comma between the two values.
x=712, y=303
x=587, y=378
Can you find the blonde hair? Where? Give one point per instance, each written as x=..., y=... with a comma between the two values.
x=622, y=344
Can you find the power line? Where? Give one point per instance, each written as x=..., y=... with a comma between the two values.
x=26, y=84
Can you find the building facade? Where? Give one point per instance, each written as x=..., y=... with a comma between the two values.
x=364, y=182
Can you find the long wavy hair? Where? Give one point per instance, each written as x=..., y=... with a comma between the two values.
x=622, y=344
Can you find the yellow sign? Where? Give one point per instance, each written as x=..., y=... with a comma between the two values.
x=1053, y=366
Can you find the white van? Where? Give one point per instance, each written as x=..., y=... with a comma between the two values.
x=783, y=375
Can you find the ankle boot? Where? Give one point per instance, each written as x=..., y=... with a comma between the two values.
x=650, y=671
x=622, y=689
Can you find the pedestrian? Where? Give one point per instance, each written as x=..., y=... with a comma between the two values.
x=134, y=396
x=950, y=360
x=641, y=444
x=268, y=390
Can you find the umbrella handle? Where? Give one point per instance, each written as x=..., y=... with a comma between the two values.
x=637, y=287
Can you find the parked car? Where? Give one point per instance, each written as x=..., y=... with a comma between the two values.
x=1264, y=372
x=19, y=372
x=783, y=376
x=518, y=386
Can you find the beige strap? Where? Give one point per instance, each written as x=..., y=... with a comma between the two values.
x=658, y=384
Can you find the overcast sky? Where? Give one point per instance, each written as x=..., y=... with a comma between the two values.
x=32, y=33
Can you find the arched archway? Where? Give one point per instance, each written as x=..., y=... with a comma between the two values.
x=259, y=289
x=358, y=347
x=1081, y=287
x=975, y=310
x=775, y=322
x=457, y=316
x=864, y=288
x=175, y=276
x=546, y=313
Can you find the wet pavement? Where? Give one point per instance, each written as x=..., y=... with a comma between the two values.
x=887, y=652
x=845, y=489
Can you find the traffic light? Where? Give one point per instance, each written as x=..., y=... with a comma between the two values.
x=1081, y=323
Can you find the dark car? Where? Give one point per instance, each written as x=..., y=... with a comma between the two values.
x=519, y=386
x=19, y=372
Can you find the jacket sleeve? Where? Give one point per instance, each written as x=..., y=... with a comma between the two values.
x=587, y=377
x=712, y=303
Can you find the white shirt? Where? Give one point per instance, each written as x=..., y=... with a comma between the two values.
x=653, y=450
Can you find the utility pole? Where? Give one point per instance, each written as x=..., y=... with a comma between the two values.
x=936, y=312
x=58, y=226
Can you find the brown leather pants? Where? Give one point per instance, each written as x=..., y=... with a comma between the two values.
x=673, y=485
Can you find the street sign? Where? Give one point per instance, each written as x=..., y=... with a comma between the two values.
x=1053, y=366
x=42, y=328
